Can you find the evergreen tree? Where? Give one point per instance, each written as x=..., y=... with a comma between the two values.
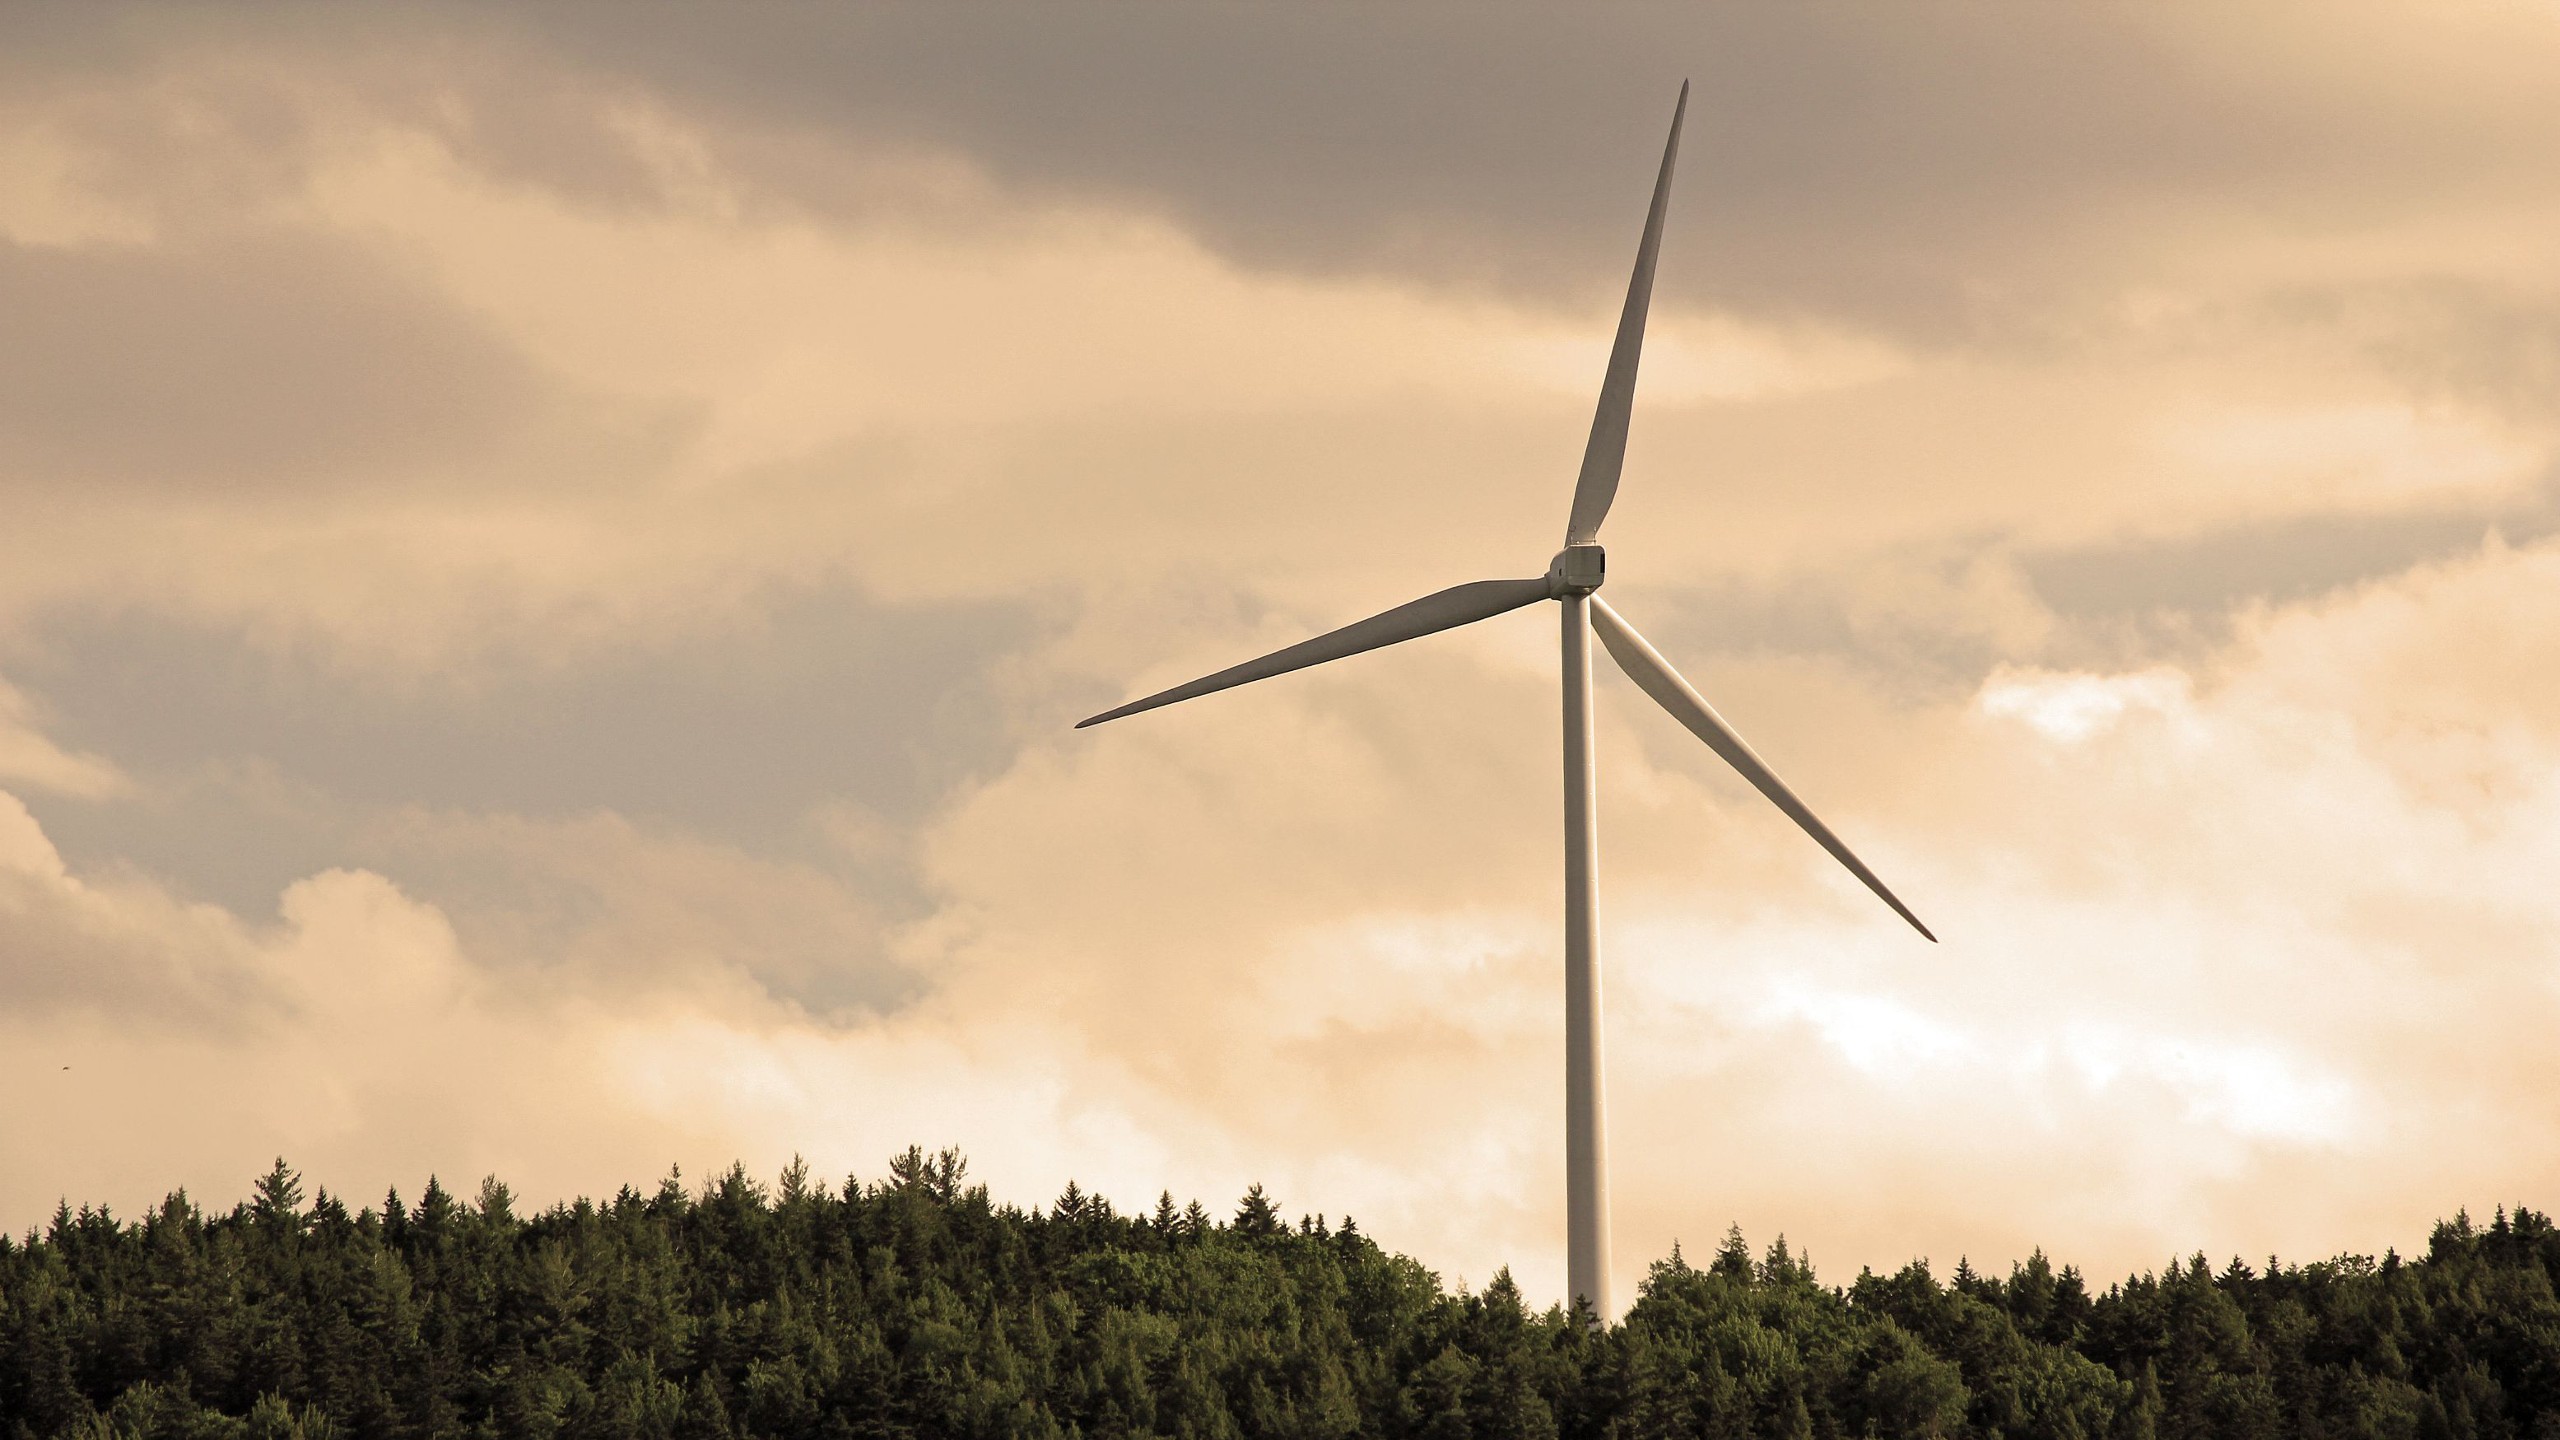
x=277, y=1198
x=1256, y=1217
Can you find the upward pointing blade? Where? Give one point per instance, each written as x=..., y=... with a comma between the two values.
x=1607, y=451
x=1645, y=666
x=1443, y=610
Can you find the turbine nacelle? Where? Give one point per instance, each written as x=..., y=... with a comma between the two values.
x=1576, y=570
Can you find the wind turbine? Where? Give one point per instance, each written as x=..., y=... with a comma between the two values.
x=1573, y=577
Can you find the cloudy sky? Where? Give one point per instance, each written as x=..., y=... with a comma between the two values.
x=546, y=565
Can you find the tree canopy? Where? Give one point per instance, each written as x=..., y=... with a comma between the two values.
x=915, y=1306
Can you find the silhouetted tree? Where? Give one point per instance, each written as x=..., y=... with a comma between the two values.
x=1257, y=1218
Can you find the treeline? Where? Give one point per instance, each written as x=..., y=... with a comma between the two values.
x=914, y=1306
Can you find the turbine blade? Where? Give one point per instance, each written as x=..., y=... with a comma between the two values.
x=1444, y=610
x=1607, y=450
x=1656, y=678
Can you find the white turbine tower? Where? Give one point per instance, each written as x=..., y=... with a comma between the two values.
x=1571, y=579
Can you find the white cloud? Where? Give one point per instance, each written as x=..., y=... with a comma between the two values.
x=2069, y=708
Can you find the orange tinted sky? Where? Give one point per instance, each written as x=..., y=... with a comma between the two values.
x=548, y=565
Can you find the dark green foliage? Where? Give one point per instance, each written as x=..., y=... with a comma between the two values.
x=915, y=1307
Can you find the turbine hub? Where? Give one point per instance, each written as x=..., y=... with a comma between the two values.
x=1576, y=570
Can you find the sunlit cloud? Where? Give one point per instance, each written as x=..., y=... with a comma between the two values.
x=2069, y=708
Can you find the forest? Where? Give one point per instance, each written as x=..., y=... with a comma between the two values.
x=913, y=1305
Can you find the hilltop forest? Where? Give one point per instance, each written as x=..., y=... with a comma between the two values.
x=915, y=1306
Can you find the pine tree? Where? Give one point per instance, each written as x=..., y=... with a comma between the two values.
x=1257, y=1217
x=949, y=1168
x=1780, y=1267
x=278, y=1198
x=1733, y=1257
x=433, y=1219
x=907, y=1169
